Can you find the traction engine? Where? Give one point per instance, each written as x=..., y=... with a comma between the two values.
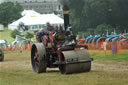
x=60, y=50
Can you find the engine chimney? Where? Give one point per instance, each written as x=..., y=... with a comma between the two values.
x=65, y=13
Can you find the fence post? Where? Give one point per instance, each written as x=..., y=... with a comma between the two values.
x=114, y=48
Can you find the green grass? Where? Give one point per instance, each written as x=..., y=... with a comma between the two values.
x=92, y=78
x=17, y=70
x=117, y=57
x=101, y=55
x=6, y=35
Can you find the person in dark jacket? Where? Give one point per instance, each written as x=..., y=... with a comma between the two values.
x=49, y=28
x=40, y=34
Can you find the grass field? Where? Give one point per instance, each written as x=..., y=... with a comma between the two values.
x=107, y=69
x=102, y=55
x=17, y=70
x=6, y=35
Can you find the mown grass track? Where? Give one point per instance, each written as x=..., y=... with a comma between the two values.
x=17, y=70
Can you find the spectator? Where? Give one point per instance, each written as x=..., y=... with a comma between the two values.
x=40, y=34
x=56, y=29
x=61, y=29
x=26, y=28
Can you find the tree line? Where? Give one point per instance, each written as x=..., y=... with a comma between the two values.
x=90, y=16
x=9, y=12
x=98, y=16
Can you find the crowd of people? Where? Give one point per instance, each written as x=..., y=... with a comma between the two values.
x=43, y=32
x=51, y=29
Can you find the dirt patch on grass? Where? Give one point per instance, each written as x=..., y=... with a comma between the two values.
x=15, y=64
x=17, y=70
x=97, y=65
x=110, y=66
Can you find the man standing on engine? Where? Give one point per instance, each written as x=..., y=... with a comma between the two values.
x=49, y=28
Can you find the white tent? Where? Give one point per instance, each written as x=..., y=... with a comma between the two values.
x=51, y=18
x=29, y=13
x=36, y=21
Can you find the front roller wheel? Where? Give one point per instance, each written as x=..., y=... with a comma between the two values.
x=75, y=68
x=1, y=55
x=38, y=60
x=76, y=61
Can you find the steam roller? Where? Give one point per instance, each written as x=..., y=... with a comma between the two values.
x=68, y=59
x=60, y=50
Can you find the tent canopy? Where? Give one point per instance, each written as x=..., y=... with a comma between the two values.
x=36, y=19
x=29, y=13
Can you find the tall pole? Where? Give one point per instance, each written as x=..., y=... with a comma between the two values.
x=65, y=13
x=66, y=16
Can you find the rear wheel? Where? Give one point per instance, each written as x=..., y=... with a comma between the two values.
x=38, y=54
x=1, y=55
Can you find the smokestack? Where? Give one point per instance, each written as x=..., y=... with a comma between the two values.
x=65, y=13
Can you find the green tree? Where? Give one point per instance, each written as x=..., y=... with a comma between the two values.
x=86, y=14
x=9, y=12
x=14, y=33
x=29, y=35
x=103, y=28
x=76, y=7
